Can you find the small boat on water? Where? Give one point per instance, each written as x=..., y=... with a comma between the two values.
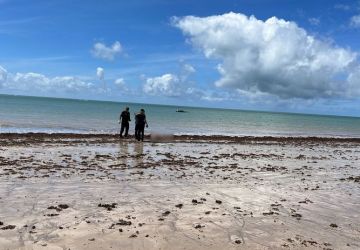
x=181, y=111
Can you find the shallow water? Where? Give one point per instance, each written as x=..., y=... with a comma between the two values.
x=33, y=114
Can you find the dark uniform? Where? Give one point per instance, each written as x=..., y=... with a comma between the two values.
x=140, y=122
x=125, y=118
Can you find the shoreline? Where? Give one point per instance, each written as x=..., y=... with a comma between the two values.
x=177, y=138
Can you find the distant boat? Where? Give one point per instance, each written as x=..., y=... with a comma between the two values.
x=181, y=111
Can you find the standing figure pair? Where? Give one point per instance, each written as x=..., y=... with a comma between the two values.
x=140, y=123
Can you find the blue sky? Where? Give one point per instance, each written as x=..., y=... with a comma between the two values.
x=151, y=51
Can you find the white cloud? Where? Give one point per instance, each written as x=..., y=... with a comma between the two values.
x=100, y=50
x=314, y=21
x=3, y=75
x=355, y=21
x=273, y=56
x=354, y=82
x=70, y=83
x=186, y=71
x=212, y=95
x=100, y=73
x=121, y=84
x=38, y=82
x=167, y=85
x=189, y=68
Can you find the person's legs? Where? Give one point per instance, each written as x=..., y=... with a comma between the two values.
x=142, y=132
x=121, y=129
x=136, y=131
x=126, y=129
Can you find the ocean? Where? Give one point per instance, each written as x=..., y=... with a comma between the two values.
x=20, y=114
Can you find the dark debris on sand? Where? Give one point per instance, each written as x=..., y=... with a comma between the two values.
x=124, y=222
x=352, y=178
x=8, y=227
x=166, y=213
x=179, y=205
x=109, y=207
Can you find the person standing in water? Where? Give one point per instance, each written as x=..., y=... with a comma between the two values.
x=124, y=119
x=140, y=123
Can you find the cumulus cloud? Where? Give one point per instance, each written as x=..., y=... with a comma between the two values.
x=355, y=21
x=100, y=50
x=167, y=85
x=354, y=82
x=100, y=73
x=189, y=68
x=273, y=56
x=208, y=95
x=186, y=71
x=38, y=82
x=3, y=75
x=121, y=84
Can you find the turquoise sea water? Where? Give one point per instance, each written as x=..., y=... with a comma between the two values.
x=34, y=114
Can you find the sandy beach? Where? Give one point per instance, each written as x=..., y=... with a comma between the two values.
x=66, y=191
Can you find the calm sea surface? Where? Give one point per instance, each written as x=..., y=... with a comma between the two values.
x=33, y=114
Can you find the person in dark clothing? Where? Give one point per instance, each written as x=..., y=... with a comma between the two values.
x=124, y=119
x=140, y=123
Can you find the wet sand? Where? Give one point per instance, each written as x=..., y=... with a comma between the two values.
x=68, y=191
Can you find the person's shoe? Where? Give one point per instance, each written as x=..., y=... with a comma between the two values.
x=121, y=136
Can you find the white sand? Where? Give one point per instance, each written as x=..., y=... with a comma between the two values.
x=273, y=195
